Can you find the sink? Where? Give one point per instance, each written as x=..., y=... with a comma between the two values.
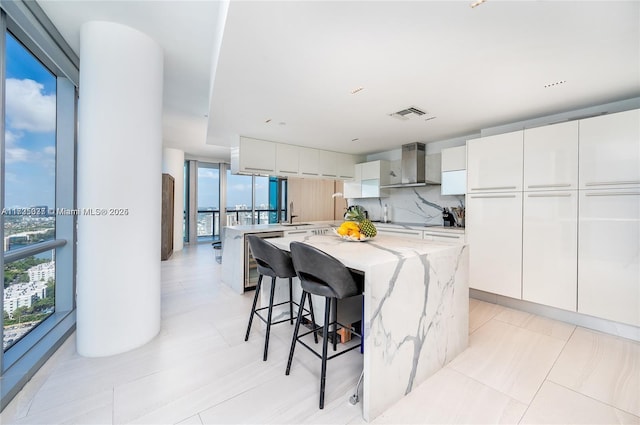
x=295, y=224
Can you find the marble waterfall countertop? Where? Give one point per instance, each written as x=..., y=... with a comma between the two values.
x=416, y=309
x=233, y=250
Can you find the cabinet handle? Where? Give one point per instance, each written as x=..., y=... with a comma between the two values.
x=493, y=188
x=614, y=194
x=288, y=172
x=329, y=175
x=539, y=186
x=310, y=174
x=398, y=231
x=493, y=196
x=440, y=235
x=258, y=169
x=612, y=183
x=549, y=195
x=296, y=232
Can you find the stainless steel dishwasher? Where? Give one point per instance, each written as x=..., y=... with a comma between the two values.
x=250, y=266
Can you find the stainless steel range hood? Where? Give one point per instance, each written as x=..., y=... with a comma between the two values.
x=413, y=167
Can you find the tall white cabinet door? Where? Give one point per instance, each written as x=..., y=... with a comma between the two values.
x=608, y=255
x=550, y=248
x=551, y=157
x=494, y=234
x=610, y=151
x=494, y=163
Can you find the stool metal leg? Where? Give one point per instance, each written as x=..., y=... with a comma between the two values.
x=253, y=309
x=291, y=300
x=325, y=338
x=295, y=331
x=313, y=320
x=335, y=323
x=266, y=340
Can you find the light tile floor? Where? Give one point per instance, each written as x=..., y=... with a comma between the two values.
x=519, y=368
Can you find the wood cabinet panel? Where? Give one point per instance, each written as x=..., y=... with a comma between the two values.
x=312, y=200
x=166, y=231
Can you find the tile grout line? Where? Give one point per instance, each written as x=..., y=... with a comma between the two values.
x=546, y=378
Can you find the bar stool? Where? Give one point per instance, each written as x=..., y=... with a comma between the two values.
x=273, y=262
x=323, y=275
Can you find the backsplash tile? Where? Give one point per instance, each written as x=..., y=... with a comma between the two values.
x=411, y=205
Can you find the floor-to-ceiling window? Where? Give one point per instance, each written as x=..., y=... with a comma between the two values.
x=249, y=199
x=37, y=192
x=252, y=199
x=29, y=189
x=208, y=196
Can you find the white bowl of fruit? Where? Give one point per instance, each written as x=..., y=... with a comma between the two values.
x=357, y=228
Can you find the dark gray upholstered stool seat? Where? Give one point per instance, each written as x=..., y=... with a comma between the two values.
x=323, y=275
x=275, y=263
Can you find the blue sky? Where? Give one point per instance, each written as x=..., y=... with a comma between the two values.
x=30, y=141
x=29, y=130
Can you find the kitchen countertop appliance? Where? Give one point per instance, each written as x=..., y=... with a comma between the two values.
x=354, y=208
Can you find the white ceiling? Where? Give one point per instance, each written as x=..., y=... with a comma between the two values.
x=296, y=62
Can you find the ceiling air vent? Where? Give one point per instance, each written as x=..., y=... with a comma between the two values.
x=405, y=114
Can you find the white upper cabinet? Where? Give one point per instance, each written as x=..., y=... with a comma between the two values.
x=494, y=163
x=610, y=151
x=328, y=164
x=454, y=159
x=287, y=159
x=551, y=157
x=368, y=178
x=346, y=166
x=254, y=157
x=309, y=162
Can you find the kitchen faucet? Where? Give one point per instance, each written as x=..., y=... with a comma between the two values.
x=291, y=213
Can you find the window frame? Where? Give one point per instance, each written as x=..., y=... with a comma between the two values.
x=29, y=25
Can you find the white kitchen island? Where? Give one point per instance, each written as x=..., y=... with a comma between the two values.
x=416, y=309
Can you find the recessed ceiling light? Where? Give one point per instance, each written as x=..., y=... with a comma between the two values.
x=267, y=121
x=356, y=90
x=557, y=83
x=477, y=3
x=355, y=140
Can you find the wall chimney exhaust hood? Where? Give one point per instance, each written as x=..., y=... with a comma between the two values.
x=413, y=167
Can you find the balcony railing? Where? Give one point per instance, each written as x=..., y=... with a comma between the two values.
x=208, y=224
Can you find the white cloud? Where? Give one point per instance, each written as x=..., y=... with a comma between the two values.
x=11, y=138
x=28, y=108
x=206, y=173
x=17, y=155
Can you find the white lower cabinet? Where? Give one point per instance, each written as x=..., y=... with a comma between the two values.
x=494, y=235
x=608, y=254
x=438, y=235
x=549, y=248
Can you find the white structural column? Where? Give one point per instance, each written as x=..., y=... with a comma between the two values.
x=173, y=164
x=119, y=179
